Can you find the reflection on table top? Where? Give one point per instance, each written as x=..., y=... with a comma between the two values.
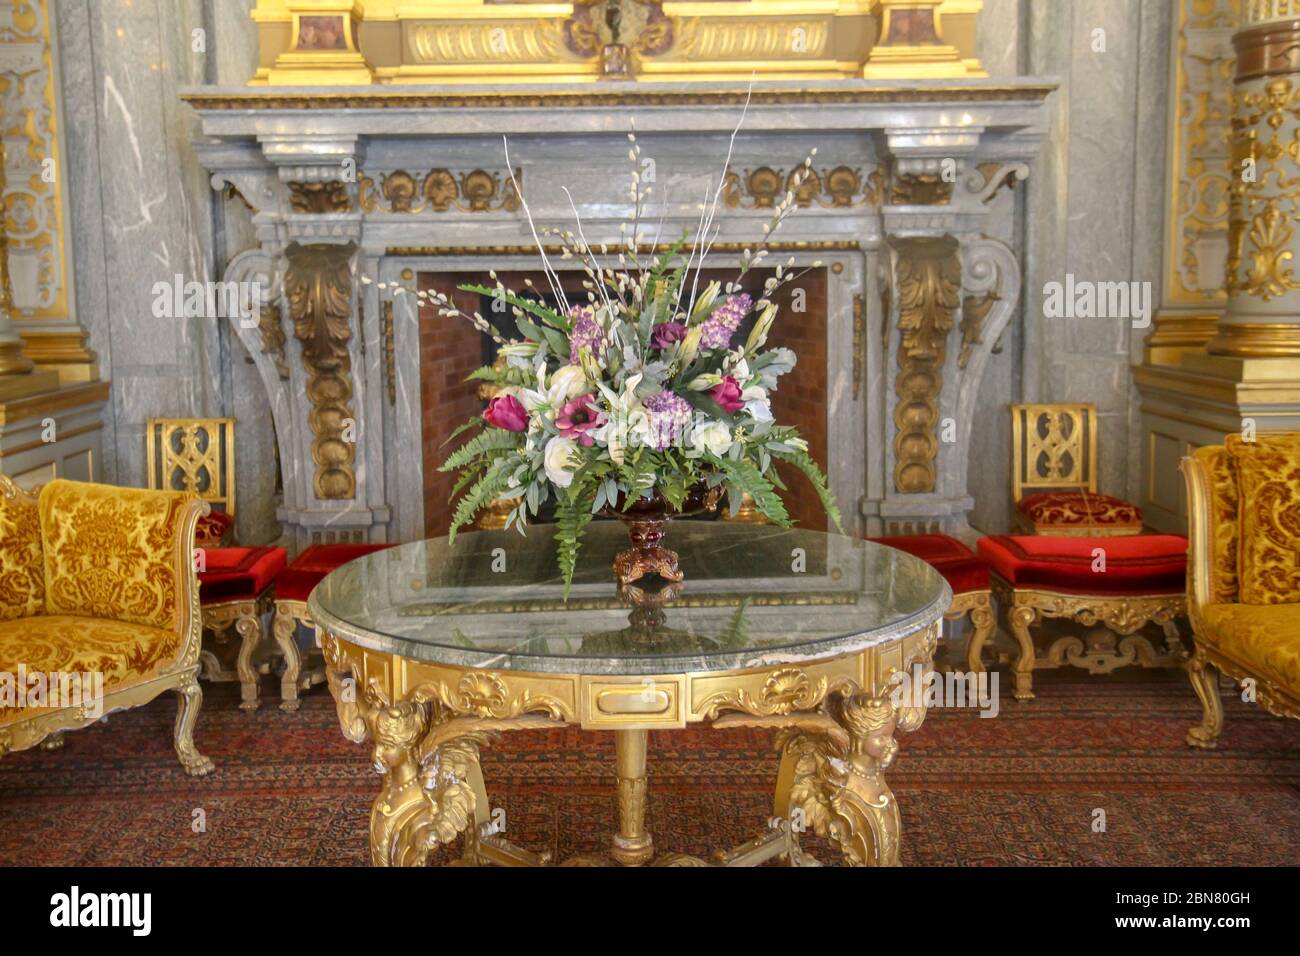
x=753, y=596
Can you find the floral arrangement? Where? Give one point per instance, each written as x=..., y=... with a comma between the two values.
x=645, y=389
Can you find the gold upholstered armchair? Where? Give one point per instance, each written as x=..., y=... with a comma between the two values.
x=99, y=610
x=1243, y=574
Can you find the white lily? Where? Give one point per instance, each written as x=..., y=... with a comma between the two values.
x=705, y=301
x=758, y=335
x=625, y=416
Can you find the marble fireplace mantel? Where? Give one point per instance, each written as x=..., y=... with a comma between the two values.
x=381, y=185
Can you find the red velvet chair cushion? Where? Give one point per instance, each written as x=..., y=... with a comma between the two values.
x=1141, y=564
x=294, y=584
x=239, y=574
x=956, y=562
x=1077, y=510
x=327, y=557
x=211, y=529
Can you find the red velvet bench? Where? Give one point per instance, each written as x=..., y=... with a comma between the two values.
x=293, y=586
x=236, y=586
x=1114, y=586
x=968, y=577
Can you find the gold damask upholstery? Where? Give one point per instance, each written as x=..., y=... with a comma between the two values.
x=52, y=644
x=1268, y=477
x=1244, y=560
x=1259, y=635
x=22, y=563
x=97, y=579
x=109, y=552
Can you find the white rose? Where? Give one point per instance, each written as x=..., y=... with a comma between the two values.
x=558, y=458
x=714, y=438
x=568, y=382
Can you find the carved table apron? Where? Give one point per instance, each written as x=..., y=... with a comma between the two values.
x=428, y=707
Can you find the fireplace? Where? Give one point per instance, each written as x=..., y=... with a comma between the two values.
x=450, y=349
x=357, y=204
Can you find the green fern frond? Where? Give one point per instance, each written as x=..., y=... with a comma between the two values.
x=572, y=515
x=485, y=490
x=746, y=477
x=803, y=461
x=491, y=441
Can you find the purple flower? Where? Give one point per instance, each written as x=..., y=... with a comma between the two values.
x=722, y=324
x=666, y=333
x=578, y=418
x=506, y=412
x=669, y=415
x=585, y=333
x=727, y=394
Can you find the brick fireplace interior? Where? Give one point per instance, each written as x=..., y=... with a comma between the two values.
x=450, y=349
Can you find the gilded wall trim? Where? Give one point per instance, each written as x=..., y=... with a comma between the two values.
x=440, y=190
x=843, y=187
x=885, y=92
x=928, y=284
x=318, y=287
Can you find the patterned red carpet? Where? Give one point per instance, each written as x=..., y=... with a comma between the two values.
x=1019, y=789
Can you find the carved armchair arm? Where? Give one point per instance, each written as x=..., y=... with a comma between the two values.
x=187, y=582
x=1200, y=533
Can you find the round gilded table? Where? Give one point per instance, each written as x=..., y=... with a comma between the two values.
x=431, y=650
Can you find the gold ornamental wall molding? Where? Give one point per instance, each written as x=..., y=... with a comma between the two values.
x=34, y=202
x=887, y=93
x=318, y=288
x=843, y=187
x=721, y=248
x=360, y=42
x=928, y=284
x=440, y=190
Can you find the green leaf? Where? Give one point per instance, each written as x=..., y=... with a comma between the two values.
x=803, y=461
x=491, y=443
x=745, y=475
x=472, y=423
x=572, y=515
x=546, y=314
x=486, y=489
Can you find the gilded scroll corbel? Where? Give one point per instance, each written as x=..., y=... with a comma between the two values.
x=318, y=286
x=928, y=285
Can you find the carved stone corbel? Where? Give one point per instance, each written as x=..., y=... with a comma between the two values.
x=990, y=297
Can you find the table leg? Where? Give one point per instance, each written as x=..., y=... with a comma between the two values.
x=633, y=846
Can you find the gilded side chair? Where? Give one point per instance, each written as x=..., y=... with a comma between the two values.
x=237, y=590
x=293, y=586
x=1054, y=474
x=98, y=580
x=1243, y=584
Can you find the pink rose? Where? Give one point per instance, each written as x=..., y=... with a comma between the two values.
x=666, y=333
x=506, y=412
x=578, y=418
x=727, y=395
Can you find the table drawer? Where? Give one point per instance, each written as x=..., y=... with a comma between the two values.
x=632, y=703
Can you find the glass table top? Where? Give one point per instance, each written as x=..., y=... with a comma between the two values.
x=754, y=596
